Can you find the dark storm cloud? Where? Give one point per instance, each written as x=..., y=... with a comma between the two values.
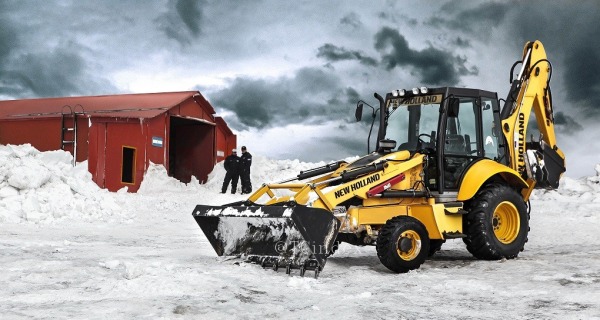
x=352, y=20
x=351, y=144
x=573, y=50
x=191, y=14
x=44, y=62
x=51, y=74
x=480, y=19
x=334, y=53
x=460, y=42
x=183, y=20
x=311, y=96
x=566, y=124
x=8, y=40
x=8, y=34
x=568, y=31
x=432, y=65
x=25, y=74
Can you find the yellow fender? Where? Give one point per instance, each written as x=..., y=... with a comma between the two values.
x=478, y=173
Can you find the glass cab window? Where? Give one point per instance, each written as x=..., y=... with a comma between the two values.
x=489, y=130
x=412, y=122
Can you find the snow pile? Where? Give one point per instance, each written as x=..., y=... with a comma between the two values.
x=43, y=186
x=583, y=189
x=157, y=181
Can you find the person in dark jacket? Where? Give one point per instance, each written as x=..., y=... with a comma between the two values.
x=232, y=166
x=245, y=163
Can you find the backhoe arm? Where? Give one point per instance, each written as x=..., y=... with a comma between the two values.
x=540, y=163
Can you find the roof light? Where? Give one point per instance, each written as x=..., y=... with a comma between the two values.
x=402, y=92
x=387, y=144
x=394, y=93
x=424, y=90
x=415, y=90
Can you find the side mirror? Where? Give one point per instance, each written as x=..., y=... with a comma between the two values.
x=359, y=111
x=453, y=104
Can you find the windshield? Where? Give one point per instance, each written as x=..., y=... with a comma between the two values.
x=409, y=118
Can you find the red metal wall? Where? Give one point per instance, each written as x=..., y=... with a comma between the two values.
x=107, y=139
x=226, y=140
x=44, y=134
x=225, y=143
x=222, y=149
x=96, y=148
x=157, y=127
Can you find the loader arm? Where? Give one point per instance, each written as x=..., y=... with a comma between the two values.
x=540, y=163
x=330, y=190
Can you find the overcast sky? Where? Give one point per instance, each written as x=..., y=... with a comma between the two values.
x=286, y=76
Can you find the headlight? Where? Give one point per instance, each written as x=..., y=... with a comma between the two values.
x=415, y=90
x=402, y=92
x=424, y=90
x=394, y=93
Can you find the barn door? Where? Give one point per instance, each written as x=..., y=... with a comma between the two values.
x=191, y=149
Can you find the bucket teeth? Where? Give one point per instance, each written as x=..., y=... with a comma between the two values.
x=275, y=263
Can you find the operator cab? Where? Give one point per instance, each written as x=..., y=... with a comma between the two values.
x=464, y=122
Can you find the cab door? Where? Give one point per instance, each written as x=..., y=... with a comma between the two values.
x=471, y=128
x=462, y=139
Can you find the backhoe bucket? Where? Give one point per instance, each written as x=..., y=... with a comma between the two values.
x=294, y=237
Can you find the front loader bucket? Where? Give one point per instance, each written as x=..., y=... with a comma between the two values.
x=295, y=237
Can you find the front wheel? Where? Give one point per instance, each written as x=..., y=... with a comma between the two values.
x=402, y=244
x=497, y=223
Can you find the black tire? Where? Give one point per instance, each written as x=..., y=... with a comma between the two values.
x=497, y=224
x=402, y=231
x=435, y=245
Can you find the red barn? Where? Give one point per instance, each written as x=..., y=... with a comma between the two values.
x=120, y=135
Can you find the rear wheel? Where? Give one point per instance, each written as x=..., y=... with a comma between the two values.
x=497, y=223
x=402, y=244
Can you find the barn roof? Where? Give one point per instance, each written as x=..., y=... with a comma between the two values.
x=141, y=105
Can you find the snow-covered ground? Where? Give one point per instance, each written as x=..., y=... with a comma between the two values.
x=71, y=250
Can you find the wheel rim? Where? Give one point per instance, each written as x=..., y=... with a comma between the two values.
x=506, y=222
x=409, y=237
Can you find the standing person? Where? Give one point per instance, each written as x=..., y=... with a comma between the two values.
x=232, y=166
x=246, y=162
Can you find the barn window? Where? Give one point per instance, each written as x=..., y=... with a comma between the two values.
x=128, y=165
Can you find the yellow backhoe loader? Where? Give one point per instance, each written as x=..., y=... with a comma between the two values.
x=449, y=163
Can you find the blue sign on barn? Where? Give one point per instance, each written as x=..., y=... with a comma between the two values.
x=157, y=142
